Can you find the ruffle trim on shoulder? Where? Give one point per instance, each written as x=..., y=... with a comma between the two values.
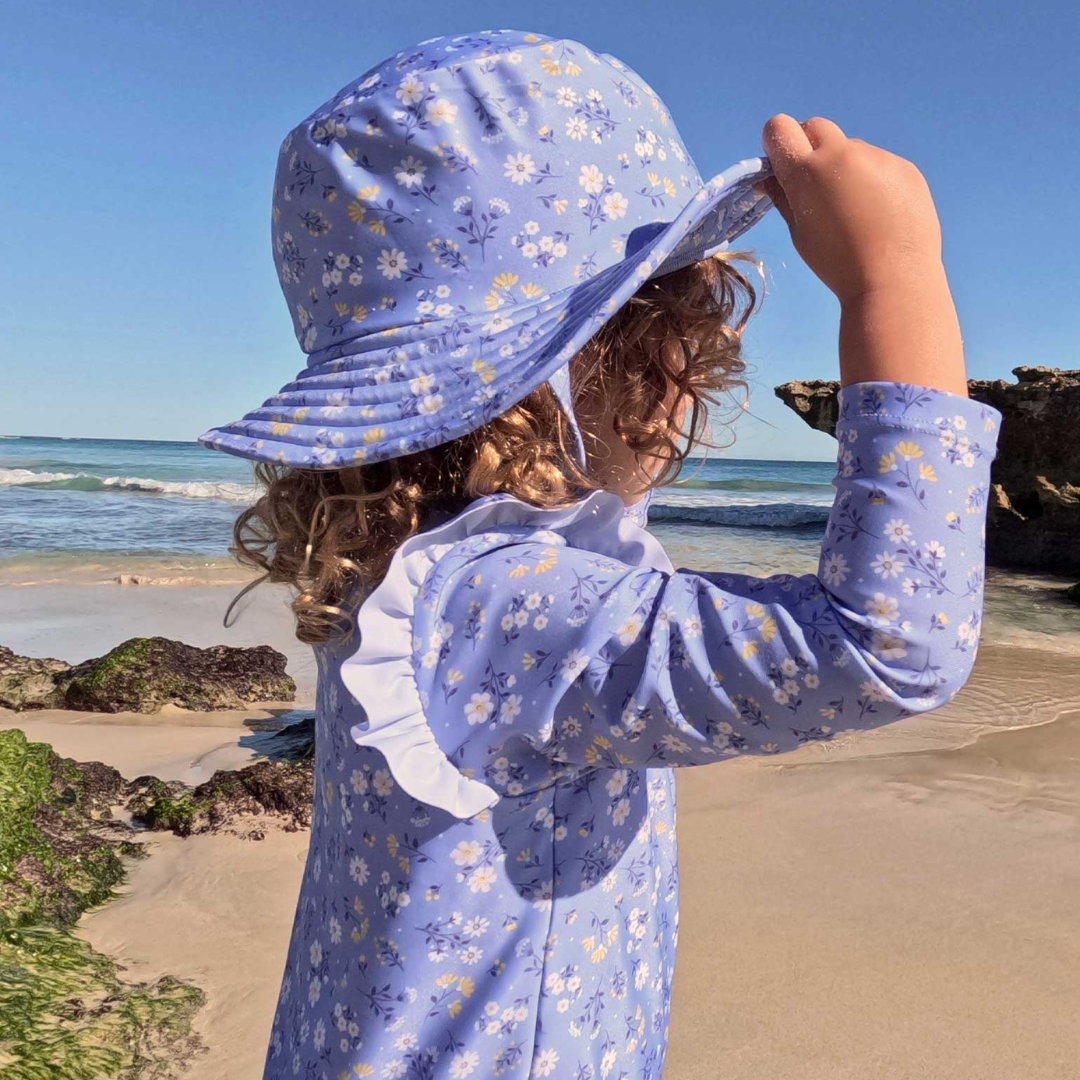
x=380, y=673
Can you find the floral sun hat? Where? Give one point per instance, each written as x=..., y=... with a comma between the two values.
x=451, y=228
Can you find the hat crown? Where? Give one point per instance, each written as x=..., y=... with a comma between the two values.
x=468, y=174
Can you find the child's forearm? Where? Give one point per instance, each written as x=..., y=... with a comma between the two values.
x=904, y=331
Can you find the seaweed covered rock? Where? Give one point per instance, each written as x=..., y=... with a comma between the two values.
x=241, y=801
x=59, y=852
x=29, y=682
x=143, y=674
x=64, y=1009
x=1033, y=520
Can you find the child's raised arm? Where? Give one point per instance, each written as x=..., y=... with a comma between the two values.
x=527, y=646
x=534, y=651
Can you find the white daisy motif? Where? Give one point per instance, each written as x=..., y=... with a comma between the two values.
x=882, y=609
x=887, y=565
x=899, y=532
x=591, y=179
x=574, y=664
x=410, y=90
x=392, y=263
x=519, y=168
x=441, y=111
x=479, y=708
x=834, y=569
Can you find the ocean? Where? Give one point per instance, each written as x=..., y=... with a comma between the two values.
x=93, y=511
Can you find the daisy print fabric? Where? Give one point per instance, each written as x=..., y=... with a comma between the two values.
x=558, y=667
x=452, y=226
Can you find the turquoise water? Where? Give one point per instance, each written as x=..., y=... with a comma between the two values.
x=121, y=497
x=108, y=510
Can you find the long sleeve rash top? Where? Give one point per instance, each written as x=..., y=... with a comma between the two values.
x=492, y=887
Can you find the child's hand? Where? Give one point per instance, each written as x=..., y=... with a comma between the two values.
x=865, y=223
x=860, y=217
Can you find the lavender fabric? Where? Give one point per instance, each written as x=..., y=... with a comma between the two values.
x=450, y=229
x=492, y=884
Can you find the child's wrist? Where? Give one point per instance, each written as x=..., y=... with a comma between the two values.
x=904, y=330
x=911, y=281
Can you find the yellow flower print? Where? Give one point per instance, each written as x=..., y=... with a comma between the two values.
x=373, y=435
x=466, y=986
x=749, y=650
x=454, y=1008
x=926, y=471
x=545, y=564
x=341, y=309
x=551, y=67
x=359, y=454
x=377, y=227
x=755, y=611
x=909, y=450
x=362, y=1068
x=505, y=280
x=301, y=414
x=356, y=213
x=531, y=290
x=280, y=429
x=669, y=188
x=887, y=462
x=359, y=313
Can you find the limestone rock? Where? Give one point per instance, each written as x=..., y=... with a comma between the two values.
x=1033, y=519
x=143, y=674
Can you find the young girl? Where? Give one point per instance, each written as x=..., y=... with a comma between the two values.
x=517, y=300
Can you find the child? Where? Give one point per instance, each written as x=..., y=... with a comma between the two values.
x=517, y=300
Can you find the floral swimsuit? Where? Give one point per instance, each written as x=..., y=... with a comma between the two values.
x=492, y=883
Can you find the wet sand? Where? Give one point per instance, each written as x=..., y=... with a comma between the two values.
x=890, y=912
x=895, y=904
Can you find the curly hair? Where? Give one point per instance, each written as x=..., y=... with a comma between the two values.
x=648, y=377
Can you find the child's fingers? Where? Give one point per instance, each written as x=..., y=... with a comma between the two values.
x=787, y=147
x=784, y=140
x=822, y=132
x=771, y=188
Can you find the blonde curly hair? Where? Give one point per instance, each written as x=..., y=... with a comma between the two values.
x=331, y=534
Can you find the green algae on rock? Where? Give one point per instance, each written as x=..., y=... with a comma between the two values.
x=64, y=1010
x=143, y=674
x=280, y=792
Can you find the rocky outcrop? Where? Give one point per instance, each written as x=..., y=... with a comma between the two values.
x=242, y=801
x=67, y=1011
x=28, y=682
x=143, y=674
x=1033, y=519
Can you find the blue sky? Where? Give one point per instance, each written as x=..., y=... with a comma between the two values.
x=138, y=143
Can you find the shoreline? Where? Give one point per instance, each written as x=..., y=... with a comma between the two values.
x=832, y=895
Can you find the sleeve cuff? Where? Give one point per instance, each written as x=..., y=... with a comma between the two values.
x=954, y=418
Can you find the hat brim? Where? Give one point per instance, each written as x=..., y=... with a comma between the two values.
x=357, y=408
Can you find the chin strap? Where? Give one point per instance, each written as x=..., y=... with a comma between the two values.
x=560, y=385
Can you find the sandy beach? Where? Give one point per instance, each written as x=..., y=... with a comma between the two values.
x=896, y=904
